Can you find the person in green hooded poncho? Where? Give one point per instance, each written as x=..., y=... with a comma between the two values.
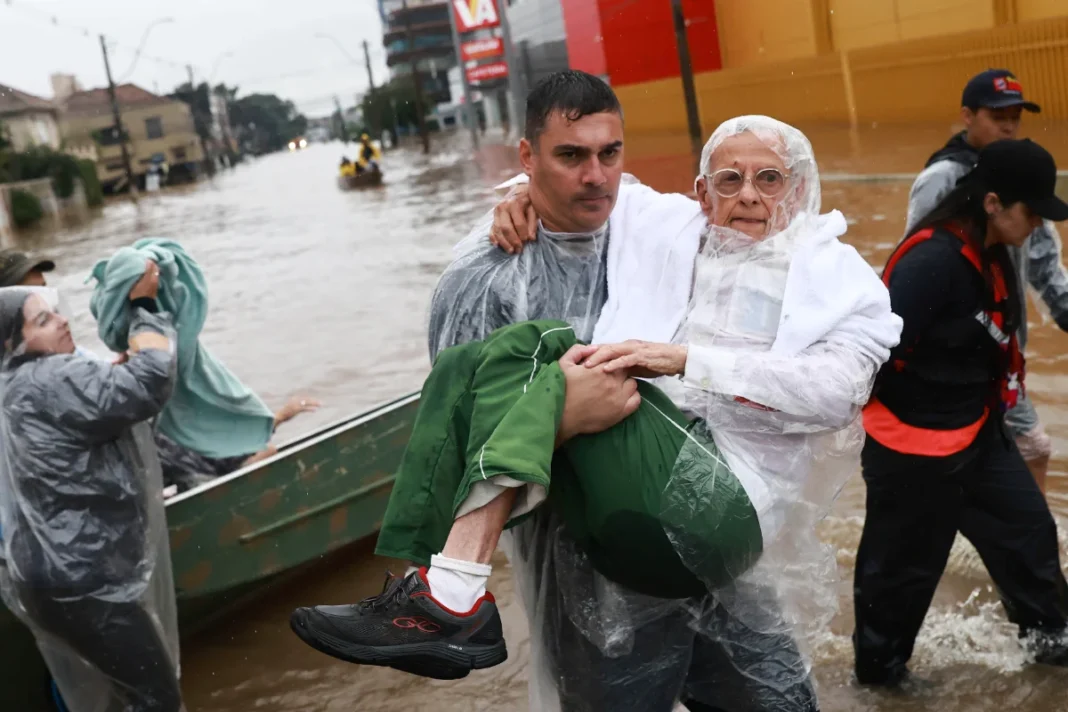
x=213, y=424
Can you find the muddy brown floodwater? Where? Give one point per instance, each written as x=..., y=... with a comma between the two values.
x=325, y=293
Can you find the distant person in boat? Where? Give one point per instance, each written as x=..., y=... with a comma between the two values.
x=369, y=155
x=86, y=562
x=213, y=423
x=585, y=655
x=347, y=168
x=992, y=106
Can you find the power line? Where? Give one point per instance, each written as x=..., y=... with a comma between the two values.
x=88, y=33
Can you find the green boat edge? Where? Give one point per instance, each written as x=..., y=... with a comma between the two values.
x=233, y=536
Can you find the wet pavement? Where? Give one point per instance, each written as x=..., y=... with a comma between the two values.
x=325, y=293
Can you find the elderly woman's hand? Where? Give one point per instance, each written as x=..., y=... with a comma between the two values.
x=514, y=221
x=641, y=359
x=148, y=285
x=294, y=407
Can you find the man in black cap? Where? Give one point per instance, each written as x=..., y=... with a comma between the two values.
x=19, y=269
x=991, y=107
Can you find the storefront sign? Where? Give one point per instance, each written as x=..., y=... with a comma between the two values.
x=487, y=72
x=475, y=14
x=481, y=49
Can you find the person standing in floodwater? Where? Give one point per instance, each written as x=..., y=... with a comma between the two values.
x=991, y=108
x=938, y=459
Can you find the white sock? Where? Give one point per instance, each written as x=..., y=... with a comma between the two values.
x=457, y=584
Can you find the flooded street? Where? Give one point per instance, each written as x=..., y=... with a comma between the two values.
x=325, y=293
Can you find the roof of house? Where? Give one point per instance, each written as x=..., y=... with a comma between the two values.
x=95, y=100
x=13, y=101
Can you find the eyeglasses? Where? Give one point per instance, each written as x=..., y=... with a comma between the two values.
x=769, y=182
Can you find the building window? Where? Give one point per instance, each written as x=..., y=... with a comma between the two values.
x=154, y=127
x=179, y=154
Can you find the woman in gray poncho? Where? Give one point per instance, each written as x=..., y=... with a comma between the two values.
x=86, y=560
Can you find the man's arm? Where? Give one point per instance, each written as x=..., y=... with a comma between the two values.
x=931, y=186
x=470, y=300
x=1046, y=272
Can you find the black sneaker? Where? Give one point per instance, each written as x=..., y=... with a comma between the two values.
x=406, y=629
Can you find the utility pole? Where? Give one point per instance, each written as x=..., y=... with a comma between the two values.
x=371, y=93
x=117, y=116
x=209, y=160
x=367, y=61
x=693, y=116
x=420, y=110
x=341, y=119
x=469, y=106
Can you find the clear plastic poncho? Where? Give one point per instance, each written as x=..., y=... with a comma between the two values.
x=559, y=276
x=85, y=549
x=596, y=645
x=790, y=424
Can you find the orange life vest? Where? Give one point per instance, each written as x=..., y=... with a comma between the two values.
x=889, y=430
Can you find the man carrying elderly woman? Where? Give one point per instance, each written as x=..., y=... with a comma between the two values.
x=712, y=473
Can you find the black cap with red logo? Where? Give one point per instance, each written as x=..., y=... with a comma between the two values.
x=995, y=89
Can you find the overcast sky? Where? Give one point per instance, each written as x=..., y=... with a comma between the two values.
x=273, y=44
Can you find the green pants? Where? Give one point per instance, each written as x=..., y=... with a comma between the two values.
x=633, y=497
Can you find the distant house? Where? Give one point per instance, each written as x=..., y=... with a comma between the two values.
x=157, y=129
x=27, y=120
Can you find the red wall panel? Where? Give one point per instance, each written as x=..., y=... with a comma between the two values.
x=633, y=41
x=639, y=38
x=585, y=50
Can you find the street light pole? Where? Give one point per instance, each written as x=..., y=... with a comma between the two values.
x=215, y=67
x=117, y=116
x=693, y=116
x=141, y=44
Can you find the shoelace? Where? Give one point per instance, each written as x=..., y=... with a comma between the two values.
x=392, y=592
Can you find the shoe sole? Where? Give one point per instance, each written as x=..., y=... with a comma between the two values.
x=439, y=661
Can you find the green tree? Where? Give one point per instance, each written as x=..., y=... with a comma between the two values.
x=266, y=122
x=378, y=106
x=25, y=208
x=41, y=162
x=197, y=98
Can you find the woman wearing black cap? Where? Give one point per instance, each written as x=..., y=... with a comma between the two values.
x=937, y=458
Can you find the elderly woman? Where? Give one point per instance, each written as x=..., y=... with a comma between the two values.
x=85, y=550
x=760, y=373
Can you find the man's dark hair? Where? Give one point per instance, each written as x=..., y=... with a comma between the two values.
x=574, y=94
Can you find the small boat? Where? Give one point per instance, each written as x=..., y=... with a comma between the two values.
x=367, y=179
x=233, y=536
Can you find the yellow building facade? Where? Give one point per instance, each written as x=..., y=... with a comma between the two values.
x=863, y=60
